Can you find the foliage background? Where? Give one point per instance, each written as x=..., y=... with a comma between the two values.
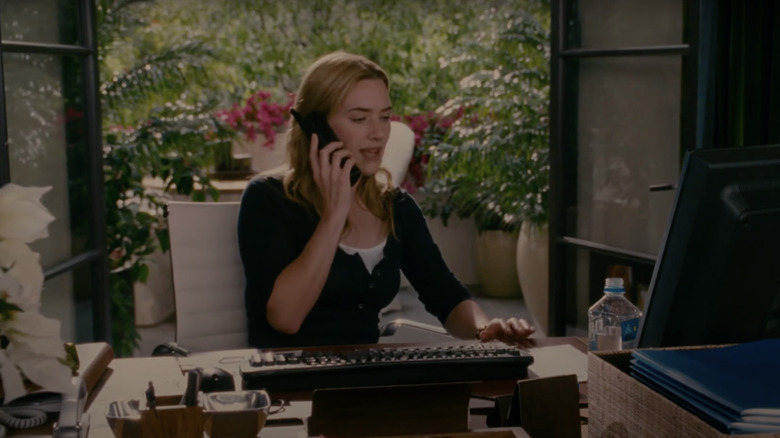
x=493, y=164
x=167, y=66
x=267, y=44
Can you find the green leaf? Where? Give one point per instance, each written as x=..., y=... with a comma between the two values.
x=6, y=308
x=164, y=238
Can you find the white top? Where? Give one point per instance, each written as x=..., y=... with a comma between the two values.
x=370, y=256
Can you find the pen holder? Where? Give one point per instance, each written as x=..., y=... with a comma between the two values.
x=233, y=414
x=169, y=419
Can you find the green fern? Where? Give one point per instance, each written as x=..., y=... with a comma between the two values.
x=154, y=125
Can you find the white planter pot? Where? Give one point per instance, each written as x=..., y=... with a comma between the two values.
x=532, y=270
x=154, y=299
x=263, y=157
x=496, y=264
x=456, y=242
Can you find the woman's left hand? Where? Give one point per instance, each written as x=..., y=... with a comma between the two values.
x=512, y=331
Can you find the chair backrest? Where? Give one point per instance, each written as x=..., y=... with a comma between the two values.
x=208, y=277
x=399, y=150
x=398, y=153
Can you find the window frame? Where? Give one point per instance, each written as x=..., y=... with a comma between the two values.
x=563, y=149
x=96, y=254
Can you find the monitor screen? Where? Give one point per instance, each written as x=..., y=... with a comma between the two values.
x=717, y=276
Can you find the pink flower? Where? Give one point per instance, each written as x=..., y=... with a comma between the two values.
x=258, y=116
x=429, y=126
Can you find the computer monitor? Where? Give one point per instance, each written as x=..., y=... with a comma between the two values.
x=717, y=276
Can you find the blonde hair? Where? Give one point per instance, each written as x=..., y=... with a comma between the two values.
x=323, y=89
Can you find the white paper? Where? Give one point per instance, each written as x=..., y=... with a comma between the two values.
x=227, y=360
x=559, y=360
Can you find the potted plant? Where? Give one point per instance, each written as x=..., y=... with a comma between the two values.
x=153, y=126
x=256, y=125
x=493, y=166
x=429, y=130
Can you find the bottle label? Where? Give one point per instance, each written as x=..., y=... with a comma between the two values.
x=630, y=329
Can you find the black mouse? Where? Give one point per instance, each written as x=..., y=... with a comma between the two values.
x=213, y=379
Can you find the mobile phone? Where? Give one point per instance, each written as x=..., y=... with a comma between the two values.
x=316, y=123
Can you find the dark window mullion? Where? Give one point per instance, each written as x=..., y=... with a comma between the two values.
x=574, y=242
x=72, y=263
x=5, y=165
x=49, y=48
x=556, y=322
x=690, y=81
x=676, y=49
x=101, y=321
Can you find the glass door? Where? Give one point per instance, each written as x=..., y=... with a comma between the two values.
x=619, y=124
x=50, y=134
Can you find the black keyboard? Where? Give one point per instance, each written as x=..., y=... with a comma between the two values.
x=437, y=363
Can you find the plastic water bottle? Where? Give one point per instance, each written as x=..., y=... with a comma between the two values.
x=613, y=322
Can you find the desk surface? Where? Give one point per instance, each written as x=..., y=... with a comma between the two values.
x=128, y=378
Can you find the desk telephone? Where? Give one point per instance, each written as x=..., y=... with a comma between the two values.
x=32, y=410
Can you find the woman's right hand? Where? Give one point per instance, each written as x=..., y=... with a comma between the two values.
x=298, y=286
x=331, y=178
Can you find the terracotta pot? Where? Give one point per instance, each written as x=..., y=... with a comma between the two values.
x=496, y=266
x=532, y=270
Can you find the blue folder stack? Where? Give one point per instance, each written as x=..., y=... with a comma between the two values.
x=736, y=389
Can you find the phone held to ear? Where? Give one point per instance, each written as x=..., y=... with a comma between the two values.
x=316, y=123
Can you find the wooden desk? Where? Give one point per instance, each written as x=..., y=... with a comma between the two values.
x=127, y=378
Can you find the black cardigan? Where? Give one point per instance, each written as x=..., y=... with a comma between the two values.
x=272, y=232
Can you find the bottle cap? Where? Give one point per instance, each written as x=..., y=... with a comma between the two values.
x=614, y=285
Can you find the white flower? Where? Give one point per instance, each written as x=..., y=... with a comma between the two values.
x=9, y=286
x=19, y=265
x=13, y=385
x=34, y=349
x=45, y=370
x=22, y=216
x=40, y=333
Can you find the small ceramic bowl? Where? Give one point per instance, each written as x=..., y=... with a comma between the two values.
x=234, y=413
x=123, y=417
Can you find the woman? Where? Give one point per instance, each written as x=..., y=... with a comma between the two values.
x=322, y=257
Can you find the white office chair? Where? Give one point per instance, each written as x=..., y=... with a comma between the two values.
x=398, y=154
x=399, y=150
x=208, y=277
